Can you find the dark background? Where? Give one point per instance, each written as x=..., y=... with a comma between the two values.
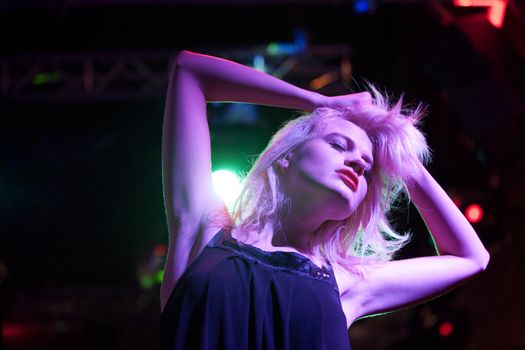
x=82, y=89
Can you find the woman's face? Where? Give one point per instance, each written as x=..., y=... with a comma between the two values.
x=331, y=169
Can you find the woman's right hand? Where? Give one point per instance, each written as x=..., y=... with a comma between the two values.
x=349, y=100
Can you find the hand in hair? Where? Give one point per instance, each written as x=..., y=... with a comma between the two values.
x=350, y=100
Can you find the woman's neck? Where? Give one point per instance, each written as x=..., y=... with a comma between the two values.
x=299, y=227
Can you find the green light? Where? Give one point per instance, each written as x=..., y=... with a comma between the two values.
x=227, y=186
x=273, y=48
x=159, y=276
x=46, y=77
x=146, y=281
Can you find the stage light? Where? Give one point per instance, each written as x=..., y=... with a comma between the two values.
x=160, y=250
x=346, y=70
x=146, y=281
x=289, y=49
x=322, y=81
x=226, y=185
x=10, y=332
x=474, y=213
x=446, y=329
x=159, y=276
x=259, y=63
x=361, y=6
x=495, y=12
x=45, y=78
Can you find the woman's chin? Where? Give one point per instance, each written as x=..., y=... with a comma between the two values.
x=343, y=207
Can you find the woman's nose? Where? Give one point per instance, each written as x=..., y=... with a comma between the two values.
x=357, y=165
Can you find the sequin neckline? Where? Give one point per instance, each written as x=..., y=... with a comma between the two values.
x=278, y=260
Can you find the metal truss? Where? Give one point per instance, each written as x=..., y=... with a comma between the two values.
x=144, y=75
x=84, y=76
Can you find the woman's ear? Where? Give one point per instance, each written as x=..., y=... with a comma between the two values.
x=284, y=162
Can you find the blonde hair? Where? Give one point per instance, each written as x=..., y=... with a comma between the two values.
x=366, y=236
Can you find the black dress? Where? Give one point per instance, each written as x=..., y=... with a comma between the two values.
x=237, y=296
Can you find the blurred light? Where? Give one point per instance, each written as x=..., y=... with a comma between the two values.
x=159, y=276
x=146, y=281
x=160, y=250
x=285, y=67
x=227, y=186
x=474, y=213
x=259, y=63
x=346, y=70
x=495, y=12
x=273, y=48
x=322, y=81
x=361, y=6
x=289, y=49
x=429, y=320
x=445, y=329
x=47, y=77
x=12, y=331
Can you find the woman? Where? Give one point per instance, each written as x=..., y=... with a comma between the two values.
x=308, y=248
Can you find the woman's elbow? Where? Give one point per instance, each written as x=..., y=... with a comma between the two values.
x=182, y=62
x=183, y=58
x=480, y=261
x=484, y=260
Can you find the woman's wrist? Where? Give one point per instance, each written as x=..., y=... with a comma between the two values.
x=317, y=100
x=308, y=100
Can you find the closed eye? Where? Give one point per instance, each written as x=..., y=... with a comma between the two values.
x=337, y=146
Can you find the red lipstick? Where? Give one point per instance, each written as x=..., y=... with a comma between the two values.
x=349, y=178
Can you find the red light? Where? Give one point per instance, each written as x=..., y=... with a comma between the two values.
x=12, y=331
x=463, y=2
x=496, y=9
x=474, y=213
x=496, y=13
x=160, y=250
x=445, y=329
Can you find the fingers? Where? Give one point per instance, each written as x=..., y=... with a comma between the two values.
x=364, y=97
x=360, y=99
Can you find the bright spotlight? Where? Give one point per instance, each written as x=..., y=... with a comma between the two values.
x=474, y=213
x=227, y=185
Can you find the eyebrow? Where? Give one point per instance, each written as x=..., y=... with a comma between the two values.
x=366, y=158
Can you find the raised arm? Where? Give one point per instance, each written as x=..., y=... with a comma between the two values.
x=406, y=282
x=186, y=155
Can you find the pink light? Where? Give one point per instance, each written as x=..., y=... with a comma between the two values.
x=463, y=3
x=495, y=12
x=474, y=213
x=480, y=3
